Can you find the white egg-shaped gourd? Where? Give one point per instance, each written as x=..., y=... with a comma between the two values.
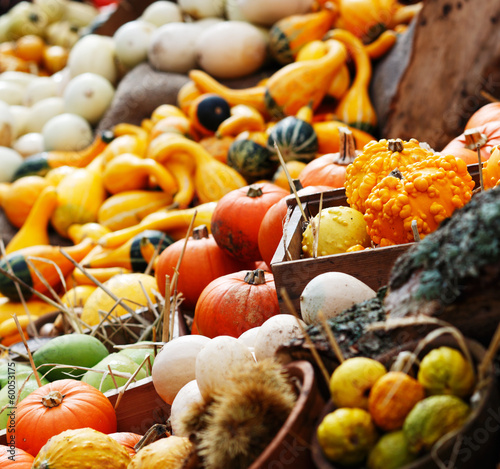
x=42, y=111
x=20, y=115
x=19, y=78
x=11, y=93
x=276, y=331
x=172, y=47
x=162, y=12
x=231, y=49
x=132, y=41
x=10, y=160
x=174, y=366
x=188, y=395
x=216, y=361
x=267, y=12
x=67, y=132
x=6, y=125
x=29, y=144
x=202, y=8
x=88, y=95
x=38, y=89
x=332, y=293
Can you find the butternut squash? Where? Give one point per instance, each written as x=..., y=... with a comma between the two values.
x=35, y=229
x=127, y=172
x=173, y=222
x=130, y=207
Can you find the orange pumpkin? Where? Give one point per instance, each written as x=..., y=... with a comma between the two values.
x=202, y=262
x=61, y=405
x=234, y=303
x=237, y=217
x=128, y=440
x=15, y=458
x=488, y=113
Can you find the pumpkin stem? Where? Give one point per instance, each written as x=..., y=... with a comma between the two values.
x=52, y=399
x=395, y=145
x=347, y=146
x=473, y=138
x=200, y=232
x=255, y=277
x=254, y=191
x=157, y=431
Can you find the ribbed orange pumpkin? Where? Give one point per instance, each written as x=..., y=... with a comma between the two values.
x=202, y=262
x=236, y=219
x=234, y=303
x=127, y=439
x=488, y=113
x=15, y=458
x=61, y=405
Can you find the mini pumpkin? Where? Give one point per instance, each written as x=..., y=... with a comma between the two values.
x=128, y=440
x=15, y=458
x=488, y=113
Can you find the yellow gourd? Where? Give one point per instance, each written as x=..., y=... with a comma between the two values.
x=129, y=208
x=166, y=110
x=327, y=133
x=127, y=172
x=77, y=233
x=212, y=179
x=383, y=44
x=80, y=195
x=126, y=143
x=100, y=274
x=355, y=108
x=35, y=229
x=243, y=118
x=173, y=222
x=34, y=307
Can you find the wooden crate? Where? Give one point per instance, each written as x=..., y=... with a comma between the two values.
x=292, y=272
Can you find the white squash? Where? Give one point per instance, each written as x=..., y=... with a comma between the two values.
x=267, y=12
x=332, y=293
x=276, y=331
x=188, y=395
x=132, y=41
x=88, y=95
x=174, y=366
x=38, y=89
x=162, y=12
x=42, y=111
x=173, y=47
x=202, y=8
x=20, y=116
x=231, y=49
x=29, y=144
x=11, y=93
x=10, y=160
x=96, y=54
x=67, y=132
x=216, y=360
x=248, y=337
x=20, y=78
x=61, y=79
x=6, y=125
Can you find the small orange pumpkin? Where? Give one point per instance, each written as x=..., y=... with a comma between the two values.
x=128, y=440
x=488, y=113
x=15, y=458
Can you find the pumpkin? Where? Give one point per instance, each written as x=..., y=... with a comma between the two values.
x=15, y=458
x=426, y=192
x=234, y=303
x=62, y=405
x=488, y=113
x=330, y=169
x=203, y=261
x=237, y=217
x=127, y=439
x=491, y=169
x=84, y=448
x=376, y=161
x=486, y=135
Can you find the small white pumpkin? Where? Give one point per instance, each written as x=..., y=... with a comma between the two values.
x=88, y=95
x=11, y=93
x=67, y=132
x=29, y=144
x=38, y=89
x=174, y=366
x=132, y=41
x=202, y=8
x=42, y=111
x=267, y=12
x=216, y=360
x=188, y=395
x=332, y=293
x=276, y=331
x=6, y=125
x=10, y=160
x=162, y=12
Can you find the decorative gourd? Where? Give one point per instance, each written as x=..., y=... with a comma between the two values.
x=187, y=94
x=491, y=169
x=382, y=45
x=330, y=169
x=288, y=35
x=303, y=83
x=15, y=458
x=464, y=146
x=376, y=161
x=426, y=192
x=84, y=448
x=38, y=256
x=101, y=275
x=355, y=108
x=128, y=440
x=293, y=167
x=177, y=124
x=80, y=195
x=126, y=143
x=128, y=172
x=201, y=251
x=327, y=133
x=41, y=163
x=234, y=303
x=19, y=197
x=174, y=222
x=35, y=229
x=77, y=233
x=135, y=254
x=242, y=118
x=218, y=145
x=207, y=112
x=34, y=306
x=223, y=178
x=488, y=113
x=130, y=207
x=236, y=219
x=61, y=405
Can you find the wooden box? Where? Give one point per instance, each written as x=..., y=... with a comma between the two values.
x=292, y=272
